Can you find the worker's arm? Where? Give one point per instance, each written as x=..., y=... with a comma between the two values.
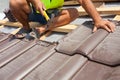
x=98, y=21
x=39, y=6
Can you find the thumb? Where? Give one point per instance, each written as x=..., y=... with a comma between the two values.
x=94, y=29
x=44, y=8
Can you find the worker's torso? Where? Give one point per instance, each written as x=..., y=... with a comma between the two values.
x=50, y=4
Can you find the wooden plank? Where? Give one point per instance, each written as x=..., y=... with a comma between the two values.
x=117, y=17
x=17, y=24
x=1, y=26
x=46, y=35
x=102, y=10
x=15, y=31
x=74, y=2
x=69, y=3
x=96, y=0
x=66, y=28
x=99, y=4
x=105, y=0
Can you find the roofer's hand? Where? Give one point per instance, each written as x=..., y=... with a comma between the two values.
x=40, y=7
x=105, y=24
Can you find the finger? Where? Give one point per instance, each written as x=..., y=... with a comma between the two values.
x=107, y=28
x=42, y=12
x=111, y=26
x=94, y=29
x=44, y=7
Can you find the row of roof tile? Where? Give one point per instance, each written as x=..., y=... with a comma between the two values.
x=79, y=55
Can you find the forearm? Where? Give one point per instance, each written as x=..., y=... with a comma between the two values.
x=90, y=9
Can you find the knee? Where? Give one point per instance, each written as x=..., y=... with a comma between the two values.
x=14, y=4
x=74, y=12
x=71, y=14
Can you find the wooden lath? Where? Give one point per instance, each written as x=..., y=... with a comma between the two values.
x=17, y=24
x=36, y=24
x=74, y=2
x=1, y=26
x=105, y=0
x=69, y=3
x=102, y=10
x=97, y=0
x=117, y=17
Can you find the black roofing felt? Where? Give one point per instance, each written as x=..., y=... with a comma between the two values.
x=79, y=55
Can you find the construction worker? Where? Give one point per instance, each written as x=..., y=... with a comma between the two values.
x=33, y=10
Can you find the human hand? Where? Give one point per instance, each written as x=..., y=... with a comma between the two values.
x=105, y=24
x=40, y=7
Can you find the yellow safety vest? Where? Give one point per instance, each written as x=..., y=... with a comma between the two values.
x=50, y=4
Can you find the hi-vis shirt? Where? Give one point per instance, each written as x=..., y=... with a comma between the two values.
x=51, y=4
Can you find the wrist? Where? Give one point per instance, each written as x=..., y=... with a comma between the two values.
x=96, y=20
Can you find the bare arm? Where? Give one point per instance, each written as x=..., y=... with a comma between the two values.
x=99, y=22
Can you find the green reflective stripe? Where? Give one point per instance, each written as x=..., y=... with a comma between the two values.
x=53, y=3
x=46, y=3
x=56, y=3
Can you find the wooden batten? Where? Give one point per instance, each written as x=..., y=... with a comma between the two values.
x=45, y=35
x=67, y=3
x=66, y=28
x=74, y=2
x=117, y=17
x=102, y=10
x=95, y=0
x=15, y=31
x=17, y=24
x=104, y=0
x=1, y=26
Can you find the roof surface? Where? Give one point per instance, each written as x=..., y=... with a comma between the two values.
x=79, y=55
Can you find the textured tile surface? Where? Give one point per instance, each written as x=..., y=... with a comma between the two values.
x=41, y=60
